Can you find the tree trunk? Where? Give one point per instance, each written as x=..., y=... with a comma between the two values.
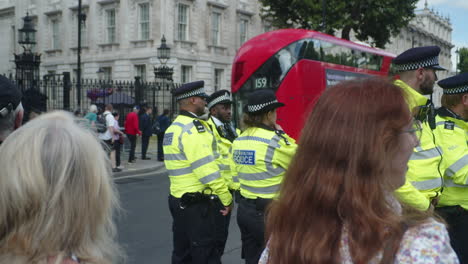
x=345, y=32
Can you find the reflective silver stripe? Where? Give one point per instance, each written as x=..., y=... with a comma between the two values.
x=418, y=149
x=428, y=184
x=224, y=167
x=210, y=177
x=178, y=124
x=443, y=123
x=185, y=128
x=264, y=140
x=261, y=175
x=455, y=167
x=179, y=156
x=426, y=154
x=198, y=163
x=450, y=183
x=178, y=172
x=235, y=179
x=272, y=146
x=262, y=190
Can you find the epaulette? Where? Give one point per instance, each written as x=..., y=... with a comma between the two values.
x=281, y=134
x=199, y=126
x=450, y=125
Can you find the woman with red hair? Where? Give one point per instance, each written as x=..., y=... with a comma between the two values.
x=336, y=203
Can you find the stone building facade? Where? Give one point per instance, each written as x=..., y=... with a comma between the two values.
x=428, y=28
x=120, y=37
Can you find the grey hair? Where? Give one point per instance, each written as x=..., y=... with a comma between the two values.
x=7, y=123
x=57, y=196
x=93, y=108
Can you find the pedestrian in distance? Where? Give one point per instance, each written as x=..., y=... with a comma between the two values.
x=337, y=202
x=108, y=137
x=450, y=135
x=132, y=129
x=262, y=155
x=159, y=128
x=146, y=131
x=91, y=116
x=11, y=109
x=416, y=71
x=119, y=137
x=57, y=196
x=219, y=105
x=199, y=197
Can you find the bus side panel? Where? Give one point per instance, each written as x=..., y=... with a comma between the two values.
x=299, y=89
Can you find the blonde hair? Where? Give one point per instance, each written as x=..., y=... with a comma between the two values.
x=57, y=196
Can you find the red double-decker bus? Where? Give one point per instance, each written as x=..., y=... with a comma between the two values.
x=299, y=64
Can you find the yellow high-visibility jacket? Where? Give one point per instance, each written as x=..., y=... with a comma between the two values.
x=262, y=156
x=190, y=160
x=423, y=179
x=451, y=136
x=225, y=162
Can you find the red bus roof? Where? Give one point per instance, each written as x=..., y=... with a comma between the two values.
x=266, y=45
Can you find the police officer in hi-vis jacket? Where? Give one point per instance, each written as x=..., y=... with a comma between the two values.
x=199, y=197
x=262, y=154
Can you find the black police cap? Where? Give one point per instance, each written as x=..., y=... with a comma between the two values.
x=261, y=101
x=457, y=84
x=420, y=57
x=219, y=97
x=189, y=90
x=10, y=96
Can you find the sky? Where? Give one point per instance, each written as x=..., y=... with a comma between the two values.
x=457, y=10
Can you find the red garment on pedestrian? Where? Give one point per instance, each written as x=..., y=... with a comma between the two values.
x=132, y=126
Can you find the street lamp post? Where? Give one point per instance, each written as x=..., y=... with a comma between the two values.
x=81, y=19
x=457, y=51
x=164, y=54
x=27, y=63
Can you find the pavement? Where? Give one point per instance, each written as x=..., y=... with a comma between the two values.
x=140, y=166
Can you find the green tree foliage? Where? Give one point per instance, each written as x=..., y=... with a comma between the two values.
x=376, y=20
x=462, y=60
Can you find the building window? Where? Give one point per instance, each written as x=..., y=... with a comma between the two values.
x=215, y=28
x=186, y=74
x=140, y=71
x=218, y=79
x=144, y=22
x=110, y=19
x=243, y=27
x=107, y=73
x=182, y=22
x=56, y=34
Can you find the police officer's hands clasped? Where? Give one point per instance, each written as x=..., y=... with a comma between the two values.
x=226, y=210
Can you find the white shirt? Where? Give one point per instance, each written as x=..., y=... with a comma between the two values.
x=110, y=124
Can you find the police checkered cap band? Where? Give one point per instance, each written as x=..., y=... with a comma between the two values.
x=258, y=107
x=191, y=93
x=457, y=90
x=433, y=61
x=224, y=97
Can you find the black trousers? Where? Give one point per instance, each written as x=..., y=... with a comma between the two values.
x=198, y=232
x=144, y=145
x=457, y=220
x=117, y=147
x=251, y=221
x=132, y=139
x=160, y=147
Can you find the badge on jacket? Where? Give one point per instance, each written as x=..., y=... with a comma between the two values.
x=199, y=126
x=450, y=125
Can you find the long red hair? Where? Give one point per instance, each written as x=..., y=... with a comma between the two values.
x=339, y=177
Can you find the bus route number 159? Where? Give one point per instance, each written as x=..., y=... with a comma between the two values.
x=261, y=83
